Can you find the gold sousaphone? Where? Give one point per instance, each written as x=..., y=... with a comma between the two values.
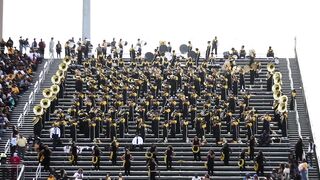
x=55, y=79
x=38, y=110
x=271, y=67
x=63, y=66
x=55, y=89
x=47, y=93
x=45, y=103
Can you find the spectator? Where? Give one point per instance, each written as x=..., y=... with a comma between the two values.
x=22, y=145
x=51, y=48
x=13, y=145
x=14, y=160
x=311, y=148
x=51, y=177
x=78, y=175
x=286, y=172
x=58, y=50
x=196, y=177
x=303, y=169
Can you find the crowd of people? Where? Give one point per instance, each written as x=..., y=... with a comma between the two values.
x=162, y=94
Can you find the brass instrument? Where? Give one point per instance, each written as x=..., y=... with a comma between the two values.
x=55, y=89
x=67, y=60
x=95, y=159
x=256, y=166
x=35, y=120
x=63, y=67
x=276, y=87
x=56, y=79
x=47, y=93
x=246, y=69
x=195, y=149
x=45, y=103
x=282, y=107
x=38, y=110
x=283, y=99
x=222, y=156
x=241, y=163
x=276, y=95
x=271, y=67
x=60, y=73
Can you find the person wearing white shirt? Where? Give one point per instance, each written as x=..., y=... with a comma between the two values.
x=137, y=141
x=55, y=135
x=311, y=148
x=51, y=48
x=78, y=175
x=196, y=177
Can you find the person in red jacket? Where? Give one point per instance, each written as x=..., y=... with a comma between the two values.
x=15, y=160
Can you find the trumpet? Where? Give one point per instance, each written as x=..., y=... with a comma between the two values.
x=38, y=110
x=56, y=79
x=45, y=103
x=63, y=66
x=55, y=89
x=47, y=92
x=271, y=67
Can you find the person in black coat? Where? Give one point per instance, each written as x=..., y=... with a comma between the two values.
x=127, y=158
x=210, y=162
x=299, y=149
x=260, y=160
x=226, y=151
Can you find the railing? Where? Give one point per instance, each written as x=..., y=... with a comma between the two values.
x=296, y=110
x=36, y=88
x=7, y=146
x=21, y=173
x=38, y=172
x=306, y=109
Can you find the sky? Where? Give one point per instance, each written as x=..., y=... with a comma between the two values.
x=255, y=24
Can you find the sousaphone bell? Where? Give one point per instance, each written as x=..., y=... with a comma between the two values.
x=47, y=93
x=55, y=79
x=55, y=89
x=38, y=110
x=45, y=103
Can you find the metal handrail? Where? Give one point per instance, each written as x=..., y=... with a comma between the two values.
x=38, y=172
x=292, y=87
x=6, y=147
x=306, y=107
x=21, y=173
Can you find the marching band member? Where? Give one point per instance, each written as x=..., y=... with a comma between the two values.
x=96, y=157
x=196, y=148
x=74, y=154
x=242, y=160
x=252, y=143
x=260, y=160
x=168, y=156
x=226, y=153
x=185, y=130
x=127, y=158
x=210, y=162
x=113, y=154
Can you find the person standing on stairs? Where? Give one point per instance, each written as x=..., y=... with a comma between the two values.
x=299, y=149
x=127, y=158
x=96, y=157
x=55, y=135
x=113, y=154
x=210, y=162
x=168, y=156
x=45, y=158
x=226, y=154
x=260, y=160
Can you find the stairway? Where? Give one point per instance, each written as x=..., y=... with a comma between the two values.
x=302, y=111
x=183, y=165
x=27, y=128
